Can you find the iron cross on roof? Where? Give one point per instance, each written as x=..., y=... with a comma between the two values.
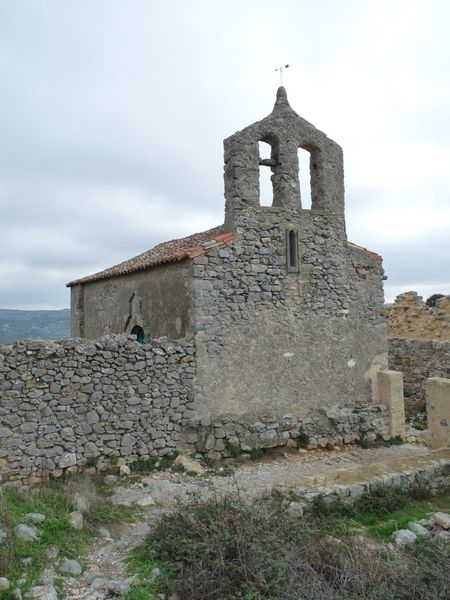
x=280, y=70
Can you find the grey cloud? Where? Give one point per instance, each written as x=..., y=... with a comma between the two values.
x=112, y=118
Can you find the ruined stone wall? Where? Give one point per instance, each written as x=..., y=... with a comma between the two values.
x=64, y=402
x=410, y=317
x=418, y=360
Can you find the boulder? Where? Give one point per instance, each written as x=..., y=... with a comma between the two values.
x=114, y=587
x=147, y=501
x=71, y=567
x=403, y=537
x=4, y=584
x=295, y=509
x=76, y=519
x=124, y=470
x=27, y=533
x=34, y=517
x=442, y=519
x=43, y=592
x=419, y=529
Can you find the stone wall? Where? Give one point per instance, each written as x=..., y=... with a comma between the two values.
x=64, y=402
x=156, y=300
x=290, y=342
x=418, y=360
x=410, y=317
x=336, y=426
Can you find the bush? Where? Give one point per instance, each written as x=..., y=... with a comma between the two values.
x=303, y=439
x=227, y=549
x=256, y=453
x=233, y=450
x=382, y=501
x=143, y=466
x=433, y=300
x=396, y=441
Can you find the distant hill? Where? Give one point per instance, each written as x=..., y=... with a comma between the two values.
x=18, y=325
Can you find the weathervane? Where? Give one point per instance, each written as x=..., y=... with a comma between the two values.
x=280, y=69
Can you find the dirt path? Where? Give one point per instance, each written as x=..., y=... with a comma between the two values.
x=163, y=491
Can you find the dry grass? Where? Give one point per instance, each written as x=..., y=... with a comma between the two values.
x=227, y=549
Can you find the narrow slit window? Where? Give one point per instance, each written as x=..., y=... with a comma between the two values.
x=265, y=173
x=292, y=251
x=304, y=168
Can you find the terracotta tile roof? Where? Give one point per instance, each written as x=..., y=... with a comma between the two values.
x=374, y=255
x=172, y=251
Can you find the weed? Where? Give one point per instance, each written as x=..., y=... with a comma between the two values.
x=55, y=500
x=143, y=466
x=303, y=439
x=364, y=442
x=233, y=450
x=114, y=459
x=256, y=454
x=178, y=468
x=91, y=461
x=226, y=548
x=321, y=508
x=396, y=441
x=166, y=461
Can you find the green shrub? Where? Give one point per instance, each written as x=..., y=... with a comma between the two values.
x=396, y=441
x=143, y=466
x=364, y=442
x=166, y=461
x=233, y=450
x=91, y=461
x=256, y=453
x=303, y=439
x=321, y=508
x=382, y=501
x=229, y=549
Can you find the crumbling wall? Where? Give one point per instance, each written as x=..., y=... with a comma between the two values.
x=64, y=402
x=410, y=317
x=418, y=360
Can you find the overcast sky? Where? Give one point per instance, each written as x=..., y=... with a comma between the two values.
x=112, y=116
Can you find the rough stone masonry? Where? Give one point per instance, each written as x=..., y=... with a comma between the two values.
x=277, y=319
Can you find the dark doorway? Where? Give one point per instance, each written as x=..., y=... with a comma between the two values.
x=140, y=335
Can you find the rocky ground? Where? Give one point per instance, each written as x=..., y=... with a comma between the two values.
x=163, y=491
x=104, y=569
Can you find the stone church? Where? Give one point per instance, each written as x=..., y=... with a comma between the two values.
x=285, y=313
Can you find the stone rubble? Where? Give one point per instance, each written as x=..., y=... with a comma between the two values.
x=70, y=567
x=76, y=519
x=404, y=537
x=27, y=533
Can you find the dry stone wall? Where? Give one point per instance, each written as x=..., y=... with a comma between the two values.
x=418, y=360
x=336, y=426
x=410, y=317
x=64, y=402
